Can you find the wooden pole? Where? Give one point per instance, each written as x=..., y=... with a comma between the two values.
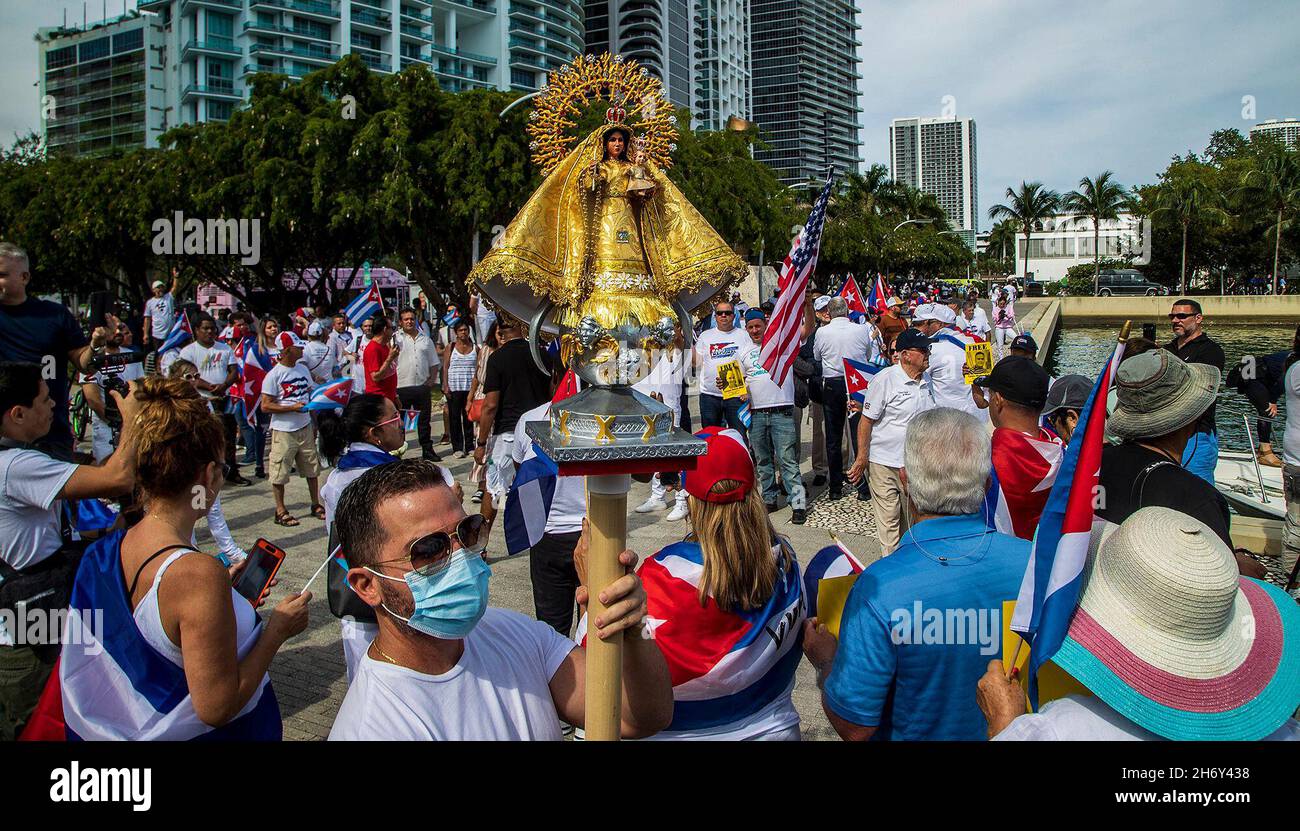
x=607, y=509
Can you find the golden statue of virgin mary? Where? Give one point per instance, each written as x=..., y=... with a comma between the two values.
x=607, y=238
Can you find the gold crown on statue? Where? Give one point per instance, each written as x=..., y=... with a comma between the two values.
x=636, y=101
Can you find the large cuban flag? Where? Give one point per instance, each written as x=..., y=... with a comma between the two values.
x=364, y=306
x=725, y=666
x=1024, y=471
x=879, y=294
x=115, y=686
x=1051, y=584
x=528, y=503
x=331, y=395
x=852, y=295
x=255, y=364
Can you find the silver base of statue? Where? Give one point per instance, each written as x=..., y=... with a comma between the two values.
x=612, y=424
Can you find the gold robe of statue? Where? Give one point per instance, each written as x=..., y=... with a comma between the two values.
x=604, y=252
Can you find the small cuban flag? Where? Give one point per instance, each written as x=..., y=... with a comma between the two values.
x=331, y=395
x=364, y=307
x=410, y=420
x=853, y=295
x=451, y=317
x=857, y=375
x=528, y=503
x=746, y=418
x=180, y=334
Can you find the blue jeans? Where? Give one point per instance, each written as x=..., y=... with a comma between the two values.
x=772, y=435
x=716, y=411
x=1202, y=454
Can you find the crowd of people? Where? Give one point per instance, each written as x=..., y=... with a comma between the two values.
x=957, y=473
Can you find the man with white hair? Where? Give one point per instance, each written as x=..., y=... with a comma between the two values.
x=923, y=623
x=839, y=339
x=44, y=333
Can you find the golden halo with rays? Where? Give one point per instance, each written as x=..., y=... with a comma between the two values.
x=623, y=83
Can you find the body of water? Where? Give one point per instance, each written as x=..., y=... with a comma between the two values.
x=1084, y=349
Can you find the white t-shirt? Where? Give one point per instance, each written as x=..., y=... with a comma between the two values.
x=892, y=400
x=213, y=363
x=569, y=502
x=840, y=339
x=320, y=359
x=415, y=359
x=484, y=317
x=288, y=385
x=161, y=312
x=665, y=378
x=1085, y=718
x=715, y=348
x=1291, y=434
x=30, y=509
x=498, y=691
x=358, y=367
x=977, y=324
x=763, y=391
x=946, y=361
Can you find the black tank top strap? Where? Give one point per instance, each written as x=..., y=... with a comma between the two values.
x=130, y=592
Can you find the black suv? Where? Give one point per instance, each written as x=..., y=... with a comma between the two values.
x=1127, y=281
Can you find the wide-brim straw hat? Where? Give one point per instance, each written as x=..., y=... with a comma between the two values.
x=1171, y=636
x=1158, y=393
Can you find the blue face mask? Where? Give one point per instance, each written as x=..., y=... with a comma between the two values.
x=450, y=601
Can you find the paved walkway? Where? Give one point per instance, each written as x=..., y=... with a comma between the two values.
x=308, y=673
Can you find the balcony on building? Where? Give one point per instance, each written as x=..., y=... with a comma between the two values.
x=211, y=45
x=371, y=19
x=220, y=89
x=314, y=53
x=318, y=9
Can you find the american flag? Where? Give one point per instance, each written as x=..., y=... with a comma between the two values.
x=781, y=340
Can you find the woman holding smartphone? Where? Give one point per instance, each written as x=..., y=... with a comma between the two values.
x=177, y=653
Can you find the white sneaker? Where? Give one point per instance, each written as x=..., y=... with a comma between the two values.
x=678, y=513
x=651, y=504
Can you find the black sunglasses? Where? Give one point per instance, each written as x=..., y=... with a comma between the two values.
x=432, y=551
x=1181, y=315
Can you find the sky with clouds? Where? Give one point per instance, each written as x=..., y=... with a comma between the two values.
x=1057, y=90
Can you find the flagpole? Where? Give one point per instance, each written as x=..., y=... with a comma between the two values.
x=607, y=508
x=1015, y=658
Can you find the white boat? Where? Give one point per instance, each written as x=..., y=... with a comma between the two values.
x=1238, y=478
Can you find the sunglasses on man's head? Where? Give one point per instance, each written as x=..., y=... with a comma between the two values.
x=433, y=551
x=1181, y=315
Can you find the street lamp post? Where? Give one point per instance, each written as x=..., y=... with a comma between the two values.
x=885, y=242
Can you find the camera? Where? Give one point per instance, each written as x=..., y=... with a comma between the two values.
x=1149, y=331
x=109, y=368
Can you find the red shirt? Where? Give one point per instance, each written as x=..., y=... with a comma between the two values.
x=375, y=355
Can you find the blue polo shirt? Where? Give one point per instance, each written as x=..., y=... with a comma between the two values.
x=920, y=627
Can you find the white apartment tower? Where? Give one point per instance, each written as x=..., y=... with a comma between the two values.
x=937, y=156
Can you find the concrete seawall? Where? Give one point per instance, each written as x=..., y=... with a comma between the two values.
x=1283, y=309
x=1041, y=322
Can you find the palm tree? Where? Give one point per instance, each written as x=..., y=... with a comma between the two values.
x=1188, y=200
x=1026, y=209
x=1096, y=199
x=1277, y=182
x=1002, y=237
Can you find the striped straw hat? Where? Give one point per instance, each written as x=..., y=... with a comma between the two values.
x=1170, y=635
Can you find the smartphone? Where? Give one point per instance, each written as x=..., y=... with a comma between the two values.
x=263, y=563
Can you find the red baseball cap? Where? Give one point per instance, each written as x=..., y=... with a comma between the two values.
x=727, y=457
x=286, y=339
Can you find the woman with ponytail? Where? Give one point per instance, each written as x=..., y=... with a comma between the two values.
x=725, y=606
x=196, y=650
x=362, y=436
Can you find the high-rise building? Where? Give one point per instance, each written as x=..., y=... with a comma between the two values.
x=95, y=86
x=123, y=82
x=655, y=33
x=1286, y=130
x=937, y=156
x=804, y=79
x=722, y=77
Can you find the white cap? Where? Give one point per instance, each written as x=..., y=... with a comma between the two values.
x=316, y=328
x=159, y=284
x=934, y=311
x=821, y=302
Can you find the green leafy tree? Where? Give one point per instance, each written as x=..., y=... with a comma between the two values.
x=1027, y=208
x=1187, y=197
x=1276, y=185
x=1097, y=199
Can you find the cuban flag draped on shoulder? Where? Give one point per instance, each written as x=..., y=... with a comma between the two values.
x=364, y=306
x=726, y=666
x=180, y=334
x=331, y=395
x=1050, y=588
x=115, y=686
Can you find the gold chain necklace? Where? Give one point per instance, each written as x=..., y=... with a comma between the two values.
x=385, y=655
